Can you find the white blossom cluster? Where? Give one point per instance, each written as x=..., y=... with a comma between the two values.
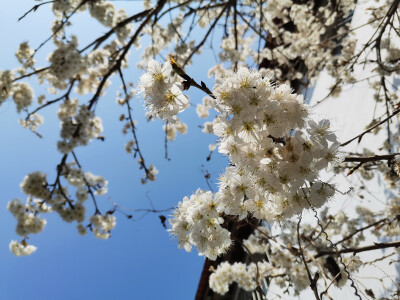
x=102, y=225
x=393, y=209
x=77, y=178
x=241, y=273
x=6, y=79
x=163, y=97
x=25, y=55
x=168, y=36
x=77, y=129
x=101, y=10
x=202, y=110
x=309, y=39
x=66, y=61
x=388, y=44
x=237, y=49
x=301, y=38
x=21, y=92
x=32, y=123
x=45, y=198
x=28, y=221
x=21, y=249
x=151, y=174
x=61, y=7
x=35, y=185
x=197, y=222
x=278, y=256
x=276, y=153
x=284, y=267
x=171, y=129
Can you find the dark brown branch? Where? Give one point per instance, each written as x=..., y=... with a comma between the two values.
x=207, y=7
x=235, y=28
x=370, y=158
x=101, y=39
x=117, y=64
x=207, y=34
x=360, y=136
x=30, y=74
x=34, y=8
x=64, y=96
x=132, y=125
x=189, y=81
x=61, y=25
x=313, y=281
x=362, y=160
x=166, y=141
x=311, y=239
x=57, y=181
x=376, y=246
x=388, y=17
x=361, y=229
x=387, y=101
x=89, y=187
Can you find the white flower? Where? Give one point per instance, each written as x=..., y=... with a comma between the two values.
x=22, y=94
x=102, y=225
x=21, y=249
x=274, y=172
x=156, y=75
x=163, y=97
x=35, y=184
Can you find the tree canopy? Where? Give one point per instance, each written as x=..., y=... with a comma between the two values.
x=271, y=224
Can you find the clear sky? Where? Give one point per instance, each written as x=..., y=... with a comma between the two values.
x=141, y=260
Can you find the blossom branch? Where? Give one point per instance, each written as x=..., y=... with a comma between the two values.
x=207, y=34
x=97, y=42
x=89, y=187
x=132, y=126
x=64, y=96
x=313, y=281
x=360, y=136
x=364, y=228
x=117, y=64
x=61, y=25
x=376, y=246
x=30, y=74
x=34, y=9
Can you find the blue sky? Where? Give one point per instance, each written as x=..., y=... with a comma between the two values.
x=141, y=260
